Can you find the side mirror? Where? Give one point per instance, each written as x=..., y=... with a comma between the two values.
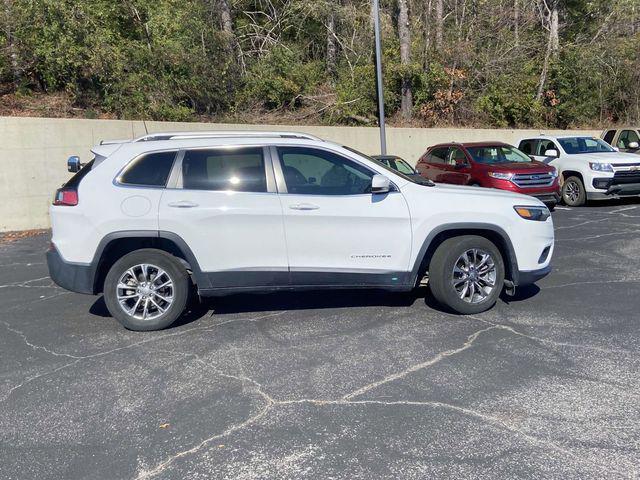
x=73, y=164
x=551, y=153
x=616, y=149
x=633, y=145
x=380, y=184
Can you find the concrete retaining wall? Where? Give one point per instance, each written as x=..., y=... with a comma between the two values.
x=33, y=152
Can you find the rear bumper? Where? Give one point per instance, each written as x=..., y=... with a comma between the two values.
x=532, y=276
x=70, y=276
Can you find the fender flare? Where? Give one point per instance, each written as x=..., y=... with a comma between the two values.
x=468, y=228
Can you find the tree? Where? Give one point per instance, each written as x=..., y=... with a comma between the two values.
x=404, y=34
x=550, y=20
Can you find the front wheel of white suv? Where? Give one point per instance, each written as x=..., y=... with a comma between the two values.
x=147, y=289
x=466, y=274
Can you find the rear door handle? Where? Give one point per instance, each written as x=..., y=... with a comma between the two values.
x=183, y=204
x=304, y=206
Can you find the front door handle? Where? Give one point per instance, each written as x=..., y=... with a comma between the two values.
x=183, y=204
x=304, y=206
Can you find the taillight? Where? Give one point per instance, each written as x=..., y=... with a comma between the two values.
x=66, y=197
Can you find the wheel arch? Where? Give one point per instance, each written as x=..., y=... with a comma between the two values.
x=117, y=244
x=494, y=233
x=571, y=173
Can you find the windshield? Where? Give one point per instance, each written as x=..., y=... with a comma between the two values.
x=413, y=179
x=577, y=145
x=404, y=167
x=493, y=154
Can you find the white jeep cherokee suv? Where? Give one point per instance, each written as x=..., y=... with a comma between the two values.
x=147, y=219
x=588, y=167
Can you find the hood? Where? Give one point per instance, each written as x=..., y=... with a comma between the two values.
x=517, y=167
x=608, y=157
x=470, y=192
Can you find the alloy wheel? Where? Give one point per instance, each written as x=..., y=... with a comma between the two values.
x=145, y=291
x=474, y=275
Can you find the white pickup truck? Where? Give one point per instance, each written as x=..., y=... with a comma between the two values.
x=589, y=168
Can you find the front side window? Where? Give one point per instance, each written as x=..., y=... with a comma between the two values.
x=627, y=137
x=455, y=157
x=545, y=145
x=240, y=170
x=497, y=154
x=310, y=171
x=577, y=145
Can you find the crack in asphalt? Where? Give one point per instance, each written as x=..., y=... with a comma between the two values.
x=125, y=347
x=348, y=400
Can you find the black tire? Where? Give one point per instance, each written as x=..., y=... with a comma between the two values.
x=441, y=273
x=573, y=192
x=179, y=292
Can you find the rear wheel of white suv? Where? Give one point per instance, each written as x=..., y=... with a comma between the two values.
x=147, y=289
x=466, y=274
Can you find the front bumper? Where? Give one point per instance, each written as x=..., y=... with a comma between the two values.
x=548, y=198
x=532, y=276
x=613, y=190
x=70, y=276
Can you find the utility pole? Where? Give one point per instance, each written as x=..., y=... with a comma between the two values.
x=376, y=28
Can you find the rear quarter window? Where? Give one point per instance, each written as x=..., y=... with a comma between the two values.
x=149, y=170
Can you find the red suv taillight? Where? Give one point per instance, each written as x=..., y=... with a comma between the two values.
x=66, y=197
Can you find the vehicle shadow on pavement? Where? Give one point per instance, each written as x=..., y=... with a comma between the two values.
x=312, y=300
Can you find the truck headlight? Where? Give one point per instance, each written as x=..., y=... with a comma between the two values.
x=600, y=167
x=537, y=214
x=501, y=175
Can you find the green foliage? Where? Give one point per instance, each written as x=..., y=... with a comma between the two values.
x=507, y=104
x=280, y=79
x=170, y=60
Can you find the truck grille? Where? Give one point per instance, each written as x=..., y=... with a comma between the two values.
x=621, y=177
x=530, y=180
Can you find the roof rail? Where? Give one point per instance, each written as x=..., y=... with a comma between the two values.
x=222, y=134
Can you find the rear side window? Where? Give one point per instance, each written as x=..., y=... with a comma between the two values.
x=150, y=170
x=528, y=147
x=438, y=155
x=608, y=137
x=240, y=170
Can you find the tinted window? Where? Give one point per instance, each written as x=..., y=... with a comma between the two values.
x=240, y=170
x=497, y=154
x=311, y=171
x=575, y=145
x=438, y=155
x=528, y=146
x=151, y=170
x=608, y=137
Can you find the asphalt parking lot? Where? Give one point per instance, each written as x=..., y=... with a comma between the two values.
x=345, y=385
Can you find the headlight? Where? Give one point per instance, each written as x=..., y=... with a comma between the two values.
x=538, y=214
x=501, y=175
x=554, y=173
x=600, y=167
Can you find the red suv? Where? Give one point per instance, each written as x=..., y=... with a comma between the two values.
x=493, y=165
